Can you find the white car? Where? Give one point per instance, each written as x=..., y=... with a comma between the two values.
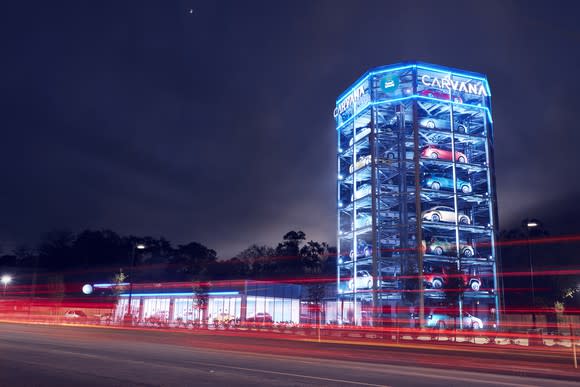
x=75, y=315
x=364, y=280
x=444, y=321
x=363, y=221
x=363, y=161
x=393, y=153
x=364, y=190
x=472, y=322
x=359, y=135
x=444, y=214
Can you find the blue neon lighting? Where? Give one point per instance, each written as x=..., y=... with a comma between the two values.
x=459, y=74
x=109, y=285
x=178, y=294
x=488, y=112
x=434, y=68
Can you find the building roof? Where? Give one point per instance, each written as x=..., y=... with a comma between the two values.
x=408, y=64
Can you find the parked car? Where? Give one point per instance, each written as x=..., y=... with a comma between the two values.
x=387, y=122
x=438, y=280
x=444, y=214
x=362, y=162
x=260, y=317
x=470, y=321
x=393, y=153
x=75, y=315
x=447, y=247
x=158, y=318
x=363, y=190
x=224, y=319
x=363, y=220
x=363, y=250
x=188, y=319
x=390, y=278
x=362, y=133
x=366, y=189
x=437, y=181
x=436, y=152
x=364, y=280
x=443, y=321
x=442, y=123
x=440, y=94
x=105, y=318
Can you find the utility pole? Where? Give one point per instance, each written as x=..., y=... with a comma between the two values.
x=140, y=246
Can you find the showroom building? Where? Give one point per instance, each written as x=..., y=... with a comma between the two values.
x=215, y=302
x=416, y=198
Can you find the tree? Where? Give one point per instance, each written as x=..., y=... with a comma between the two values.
x=313, y=255
x=316, y=293
x=193, y=260
x=25, y=256
x=153, y=263
x=258, y=259
x=99, y=248
x=55, y=250
x=233, y=268
x=119, y=283
x=288, y=252
x=291, y=243
x=520, y=248
x=201, y=299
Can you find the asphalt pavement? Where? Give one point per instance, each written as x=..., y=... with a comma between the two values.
x=40, y=355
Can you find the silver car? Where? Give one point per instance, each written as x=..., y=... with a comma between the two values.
x=363, y=220
x=444, y=214
x=364, y=280
x=439, y=123
x=444, y=321
x=364, y=132
x=393, y=152
x=363, y=190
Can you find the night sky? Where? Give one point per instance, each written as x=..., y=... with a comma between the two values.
x=216, y=125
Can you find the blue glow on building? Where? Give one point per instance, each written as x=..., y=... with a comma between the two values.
x=416, y=199
x=178, y=294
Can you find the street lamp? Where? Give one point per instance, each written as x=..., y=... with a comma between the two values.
x=6, y=279
x=530, y=224
x=138, y=246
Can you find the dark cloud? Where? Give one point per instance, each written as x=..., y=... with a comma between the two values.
x=216, y=126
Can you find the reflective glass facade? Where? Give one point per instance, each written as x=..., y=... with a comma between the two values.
x=228, y=301
x=416, y=196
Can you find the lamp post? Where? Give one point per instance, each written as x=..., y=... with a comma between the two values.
x=6, y=279
x=138, y=246
x=530, y=224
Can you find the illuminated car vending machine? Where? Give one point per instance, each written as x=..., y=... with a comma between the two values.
x=416, y=199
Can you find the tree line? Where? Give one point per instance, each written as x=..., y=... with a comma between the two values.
x=527, y=252
x=101, y=255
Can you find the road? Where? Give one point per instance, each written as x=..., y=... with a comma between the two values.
x=39, y=355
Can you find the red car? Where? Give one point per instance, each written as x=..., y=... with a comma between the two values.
x=438, y=280
x=260, y=317
x=439, y=94
x=433, y=152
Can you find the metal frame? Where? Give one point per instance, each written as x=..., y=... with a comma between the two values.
x=382, y=190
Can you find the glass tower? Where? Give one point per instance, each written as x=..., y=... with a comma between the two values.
x=416, y=199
